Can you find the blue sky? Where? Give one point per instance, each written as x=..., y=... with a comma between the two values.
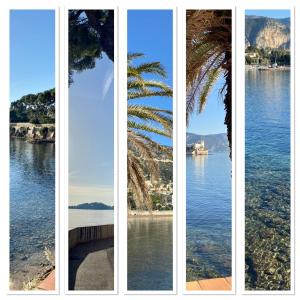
x=211, y=120
x=275, y=13
x=151, y=32
x=32, y=52
x=91, y=135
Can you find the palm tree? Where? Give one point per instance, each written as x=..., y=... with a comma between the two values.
x=208, y=55
x=144, y=122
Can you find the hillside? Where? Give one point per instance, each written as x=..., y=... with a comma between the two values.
x=34, y=108
x=263, y=32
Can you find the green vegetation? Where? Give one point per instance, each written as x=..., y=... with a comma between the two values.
x=208, y=56
x=34, y=108
x=159, y=203
x=143, y=122
x=267, y=56
x=91, y=32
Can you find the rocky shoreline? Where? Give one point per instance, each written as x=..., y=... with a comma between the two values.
x=33, y=133
x=146, y=213
x=32, y=270
x=266, y=68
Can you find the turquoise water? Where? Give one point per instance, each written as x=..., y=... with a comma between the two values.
x=208, y=216
x=150, y=253
x=32, y=208
x=267, y=172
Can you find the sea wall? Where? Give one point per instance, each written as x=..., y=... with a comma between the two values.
x=90, y=233
x=34, y=133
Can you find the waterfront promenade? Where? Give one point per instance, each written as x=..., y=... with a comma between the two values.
x=214, y=284
x=91, y=258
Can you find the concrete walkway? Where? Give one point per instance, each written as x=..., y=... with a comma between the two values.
x=91, y=266
x=48, y=284
x=215, y=284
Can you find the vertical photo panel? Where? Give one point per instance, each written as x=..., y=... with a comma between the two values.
x=91, y=150
x=32, y=150
x=267, y=150
x=150, y=150
x=208, y=150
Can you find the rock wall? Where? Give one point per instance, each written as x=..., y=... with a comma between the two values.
x=33, y=133
x=273, y=36
x=90, y=233
x=262, y=32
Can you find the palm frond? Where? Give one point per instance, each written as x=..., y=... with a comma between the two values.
x=144, y=123
x=146, y=86
x=148, y=129
x=136, y=182
x=132, y=56
x=146, y=113
x=208, y=55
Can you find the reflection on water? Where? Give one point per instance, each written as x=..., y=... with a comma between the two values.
x=200, y=161
x=267, y=172
x=150, y=253
x=208, y=240
x=32, y=207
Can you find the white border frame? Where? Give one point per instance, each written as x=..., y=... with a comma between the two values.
x=57, y=152
x=239, y=6
x=242, y=13
x=116, y=163
x=172, y=8
x=233, y=161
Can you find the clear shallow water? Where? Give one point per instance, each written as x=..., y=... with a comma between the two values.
x=87, y=217
x=267, y=180
x=32, y=207
x=208, y=216
x=150, y=253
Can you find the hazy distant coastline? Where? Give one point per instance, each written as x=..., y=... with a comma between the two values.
x=93, y=206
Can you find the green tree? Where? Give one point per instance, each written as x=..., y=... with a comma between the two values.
x=208, y=55
x=91, y=32
x=144, y=121
x=34, y=108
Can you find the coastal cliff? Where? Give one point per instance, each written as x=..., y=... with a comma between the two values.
x=263, y=32
x=33, y=133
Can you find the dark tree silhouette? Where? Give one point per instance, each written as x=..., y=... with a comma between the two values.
x=208, y=55
x=91, y=32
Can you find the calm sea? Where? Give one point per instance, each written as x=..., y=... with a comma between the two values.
x=32, y=208
x=150, y=253
x=208, y=216
x=267, y=180
x=90, y=217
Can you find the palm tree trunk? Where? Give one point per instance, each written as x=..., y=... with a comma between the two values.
x=228, y=101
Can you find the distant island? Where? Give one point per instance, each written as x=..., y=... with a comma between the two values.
x=94, y=206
